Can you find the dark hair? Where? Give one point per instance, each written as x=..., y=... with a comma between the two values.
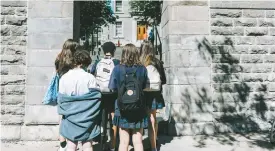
x=109, y=47
x=147, y=54
x=130, y=55
x=82, y=57
x=64, y=60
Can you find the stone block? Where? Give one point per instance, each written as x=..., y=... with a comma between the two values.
x=192, y=13
x=14, y=50
x=259, y=49
x=48, y=41
x=12, y=80
x=227, y=68
x=46, y=25
x=270, y=13
x=248, y=40
x=8, y=119
x=14, y=109
x=188, y=27
x=13, y=3
x=36, y=57
x=225, y=13
x=238, y=31
x=266, y=22
x=16, y=20
x=50, y=9
x=18, y=30
x=265, y=40
x=256, y=77
x=256, y=31
x=189, y=75
x=35, y=94
x=262, y=68
x=21, y=11
x=272, y=31
x=176, y=129
x=12, y=99
x=239, y=49
x=13, y=70
x=39, y=133
x=188, y=94
x=39, y=76
x=251, y=59
x=12, y=60
x=226, y=78
x=271, y=87
x=5, y=31
x=3, y=20
x=269, y=59
x=177, y=58
x=7, y=10
x=13, y=40
x=222, y=22
x=227, y=58
x=14, y=89
x=10, y=133
x=33, y=115
x=253, y=13
x=221, y=40
x=200, y=58
x=245, y=22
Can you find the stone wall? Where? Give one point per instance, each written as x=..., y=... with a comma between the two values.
x=13, y=68
x=219, y=60
x=25, y=79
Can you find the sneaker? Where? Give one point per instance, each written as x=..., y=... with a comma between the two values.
x=62, y=149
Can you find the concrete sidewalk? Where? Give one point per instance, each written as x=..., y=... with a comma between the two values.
x=221, y=142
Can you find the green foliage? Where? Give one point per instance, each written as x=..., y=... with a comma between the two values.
x=94, y=14
x=146, y=10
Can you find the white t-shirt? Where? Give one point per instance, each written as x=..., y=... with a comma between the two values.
x=77, y=82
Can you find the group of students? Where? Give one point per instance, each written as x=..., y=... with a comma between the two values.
x=132, y=109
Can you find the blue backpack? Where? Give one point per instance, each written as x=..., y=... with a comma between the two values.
x=50, y=97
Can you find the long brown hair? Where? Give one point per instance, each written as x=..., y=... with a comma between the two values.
x=130, y=55
x=64, y=60
x=147, y=54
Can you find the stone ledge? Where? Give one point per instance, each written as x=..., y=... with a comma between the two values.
x=246, y=4
x=39, y=133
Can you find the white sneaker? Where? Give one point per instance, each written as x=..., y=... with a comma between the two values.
x=62, y=149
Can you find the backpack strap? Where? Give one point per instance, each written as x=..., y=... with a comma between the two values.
x=116, y=62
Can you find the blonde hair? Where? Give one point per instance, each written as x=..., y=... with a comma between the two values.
x=130, y=55
x=147, y=54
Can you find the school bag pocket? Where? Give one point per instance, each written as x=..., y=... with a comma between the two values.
x=50, y=97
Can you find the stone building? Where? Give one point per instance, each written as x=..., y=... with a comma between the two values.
x=219, y=60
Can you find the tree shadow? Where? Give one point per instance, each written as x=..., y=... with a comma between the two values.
x=233, y=101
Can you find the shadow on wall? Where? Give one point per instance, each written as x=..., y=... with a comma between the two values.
x=236, y=103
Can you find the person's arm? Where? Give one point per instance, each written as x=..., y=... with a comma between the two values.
x=162, y=74
x=113, y=80
x=93, y=83
x=93, y=69
x=145, y=75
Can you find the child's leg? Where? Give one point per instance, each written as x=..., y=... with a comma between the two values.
x=62, y=140
x=124, y=139
x=137, y=139
x=113, y=135
x=72, y=146
x=87, y=146
x=153, y=129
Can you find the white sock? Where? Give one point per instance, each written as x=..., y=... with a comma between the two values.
x=112, y=149
x=154, y=149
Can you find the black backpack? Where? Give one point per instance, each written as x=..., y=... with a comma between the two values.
x=130, y=93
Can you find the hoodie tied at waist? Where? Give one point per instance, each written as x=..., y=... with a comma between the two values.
x=81, y=115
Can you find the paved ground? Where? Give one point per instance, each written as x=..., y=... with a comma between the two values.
x=232, y=142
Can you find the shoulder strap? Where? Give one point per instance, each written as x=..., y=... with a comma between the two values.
x=122, y=73
x=116, y=62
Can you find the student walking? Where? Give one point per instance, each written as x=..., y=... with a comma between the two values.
x=102, y=70
x=79, y=104
x=129, y=80
x=156, y=78
x=63, y=63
